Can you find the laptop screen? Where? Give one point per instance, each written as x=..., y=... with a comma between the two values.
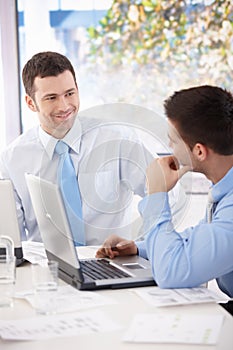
x=52, y=220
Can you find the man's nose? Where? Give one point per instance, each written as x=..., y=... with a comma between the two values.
x=62, y=103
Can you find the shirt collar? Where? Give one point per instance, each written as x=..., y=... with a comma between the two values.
x=221, y=188
x=72, y=139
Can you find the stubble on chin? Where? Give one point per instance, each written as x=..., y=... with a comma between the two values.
x=63, y=128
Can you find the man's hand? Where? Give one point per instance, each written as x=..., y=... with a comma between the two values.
x=163, y=174
x=116, y=246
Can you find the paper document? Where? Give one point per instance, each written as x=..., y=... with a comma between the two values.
x=174, y=328
x=33, y=251
x=169, y=297
x=45, y=327
x=87, y=252
x=69, y=299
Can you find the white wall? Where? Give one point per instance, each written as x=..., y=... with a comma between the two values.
x=2, y=105
x=10, y=108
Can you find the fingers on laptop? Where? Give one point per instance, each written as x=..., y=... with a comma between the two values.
x=114, y=246
x=108, y=248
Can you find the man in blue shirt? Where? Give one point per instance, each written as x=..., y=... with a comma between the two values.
x=201, y=136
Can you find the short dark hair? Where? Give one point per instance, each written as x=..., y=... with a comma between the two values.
x=44, y=64
x=203, y=114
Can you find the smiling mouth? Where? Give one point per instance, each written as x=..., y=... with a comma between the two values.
x=64, y=117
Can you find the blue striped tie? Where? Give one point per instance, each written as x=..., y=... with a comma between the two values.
x=67, y=181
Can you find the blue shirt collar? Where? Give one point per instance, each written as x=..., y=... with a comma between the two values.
x=221, y=188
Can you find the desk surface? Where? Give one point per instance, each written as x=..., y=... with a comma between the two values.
x=128, y=305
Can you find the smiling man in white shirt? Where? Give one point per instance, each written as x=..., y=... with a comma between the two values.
x=109, y=160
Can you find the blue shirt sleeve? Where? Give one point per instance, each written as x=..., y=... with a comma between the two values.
x=192, y=257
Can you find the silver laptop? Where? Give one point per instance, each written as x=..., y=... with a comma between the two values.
x=86, y=274
x=8, y=219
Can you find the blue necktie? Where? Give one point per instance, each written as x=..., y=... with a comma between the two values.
x=67, y=181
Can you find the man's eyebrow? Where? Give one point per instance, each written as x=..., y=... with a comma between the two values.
x=70, y=90
x=48, y=95
x=169, y=136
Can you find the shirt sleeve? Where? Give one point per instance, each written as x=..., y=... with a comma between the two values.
x=141, y=249
x=192, y=257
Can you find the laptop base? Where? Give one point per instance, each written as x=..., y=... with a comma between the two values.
x=18, y=252
x=76, y=280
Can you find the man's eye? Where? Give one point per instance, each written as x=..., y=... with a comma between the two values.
x=50, y=98
x=70, y=93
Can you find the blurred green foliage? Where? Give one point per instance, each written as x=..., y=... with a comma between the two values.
x=194, y=39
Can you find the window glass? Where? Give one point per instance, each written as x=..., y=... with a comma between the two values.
x=136, y=52
x=61, y=26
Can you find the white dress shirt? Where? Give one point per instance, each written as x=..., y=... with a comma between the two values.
x=110, y=162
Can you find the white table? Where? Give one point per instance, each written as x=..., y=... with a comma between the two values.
x=129, y=304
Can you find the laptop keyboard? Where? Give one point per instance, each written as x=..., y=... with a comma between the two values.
x=101, y=269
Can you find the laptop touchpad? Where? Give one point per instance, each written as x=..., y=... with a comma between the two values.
x=133, y=266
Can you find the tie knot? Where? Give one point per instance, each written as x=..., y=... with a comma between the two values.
x=61, y=147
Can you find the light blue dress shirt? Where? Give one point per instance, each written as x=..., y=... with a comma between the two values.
x=196, y=255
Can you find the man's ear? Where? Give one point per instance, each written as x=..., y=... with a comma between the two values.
x=200, y=152
x=30, y=103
